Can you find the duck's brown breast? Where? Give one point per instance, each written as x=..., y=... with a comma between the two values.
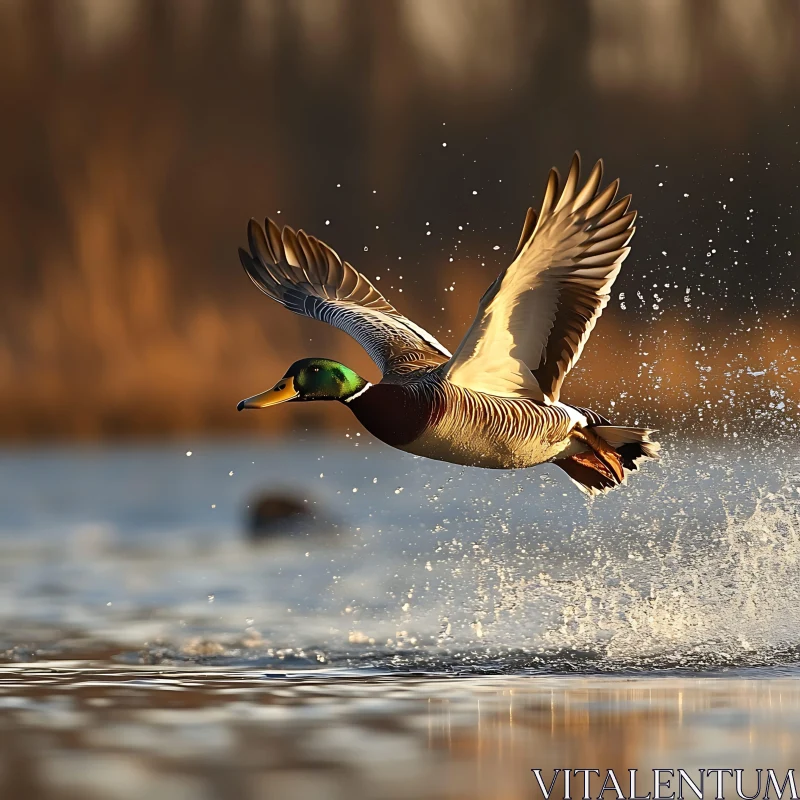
x=393, y=413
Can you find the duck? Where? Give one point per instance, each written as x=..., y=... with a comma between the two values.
x=496, y=401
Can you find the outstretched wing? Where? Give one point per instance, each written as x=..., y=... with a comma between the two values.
x=534, y=320
x=307, y=277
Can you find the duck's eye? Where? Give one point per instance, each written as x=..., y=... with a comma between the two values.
x=315, y=369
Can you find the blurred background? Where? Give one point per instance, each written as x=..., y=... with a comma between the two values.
x=139, y=136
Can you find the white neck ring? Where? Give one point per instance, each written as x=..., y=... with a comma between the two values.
x=358, y=393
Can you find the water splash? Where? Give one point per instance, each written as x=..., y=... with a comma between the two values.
x=723, y=594
x=734, y=599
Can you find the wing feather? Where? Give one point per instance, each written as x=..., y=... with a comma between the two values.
x=568, y=195
x=613, y=213
x=602, y=201
x=527, y=230
x=276, y=243
x=534, y=320
x=590, y=187
x=307, y=276
x=613, y=228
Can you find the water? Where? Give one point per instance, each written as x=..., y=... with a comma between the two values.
x=427, y=635
x=117, y=734
x=143, y=551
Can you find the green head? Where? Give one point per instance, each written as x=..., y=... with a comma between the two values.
x=310, y=379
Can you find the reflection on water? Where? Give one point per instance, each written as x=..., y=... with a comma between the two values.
x=71, y=731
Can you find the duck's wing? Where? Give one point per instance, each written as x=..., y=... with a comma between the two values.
x=534, y=320
x=308, y=277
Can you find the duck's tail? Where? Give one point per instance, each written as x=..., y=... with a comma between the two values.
x=633, y=446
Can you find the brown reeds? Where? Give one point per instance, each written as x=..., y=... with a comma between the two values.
x=135, y=148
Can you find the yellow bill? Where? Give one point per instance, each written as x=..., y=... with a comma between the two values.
x=281, y=392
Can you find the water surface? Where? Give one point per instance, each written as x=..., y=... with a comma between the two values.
x=428, y=631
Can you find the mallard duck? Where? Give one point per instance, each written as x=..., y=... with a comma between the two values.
x=495, y=402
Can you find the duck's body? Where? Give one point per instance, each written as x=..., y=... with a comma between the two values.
x=495, y=403
x=428, y=416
